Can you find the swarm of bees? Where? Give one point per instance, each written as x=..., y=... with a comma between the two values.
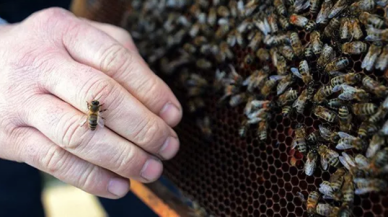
x=194, y=37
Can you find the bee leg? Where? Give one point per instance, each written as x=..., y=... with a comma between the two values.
x=88, y=104
x=103, y=110
x=100, y=122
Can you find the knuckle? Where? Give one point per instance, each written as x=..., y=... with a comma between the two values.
x=156, y=97
x=50, y=16
x=115, y=59
x=129, y=162
x=54, y=160
x=150, y=135
x=99, y=88
x=74, y=137
x=87, y=179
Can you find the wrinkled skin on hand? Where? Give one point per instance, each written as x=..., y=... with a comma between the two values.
x=50, y=65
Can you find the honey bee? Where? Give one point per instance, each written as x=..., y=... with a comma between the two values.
x=258, y=116
x=326, y=56
x=366, y=129
x=272, y=20
x=381, y=62
x=235, y=37
x=204, y=126
x=312, y=202
x=322, y=93
x=284, y=23
x=299, y=141
x=223, y=11
x=262, y=130
x=298, y=20
x=199, y=40
x=323, y=15
x=279, y=62
x=354, y=48
x=326, y=210
x=380, y=160
x=256, y=41
x=189, y=48
x=338, y=7
x=325, y=114
x=237, y=99
x=287, y=52
x=364, y=185
x=381, y=112
x=336, y=103
x=195, y=104
x=316, y=42
x=313, y=138
x=370, y=58
x=257, y=79
x=263, y=55
x=94, y=117
x=287, y=97
x=248, y=60
x=242, y=131
x=351, y=93
x=345, y=119
x=348, y=141
x=332, y=28
x=314, y=7
x=374, y=86
x=308, y=51
x=345, y=29
x=284, y=84
x=263, y=25
x=229, y=90
x=212, y=16
x=286, y=110
x=348, y=190
x=296, y=44
x=204, y=64
x=328, y=135
x=371, y=19
x=195, y=30
x=374, y=145
x=349, y=78
x=356, y=29
x=337, y=65
x=280, y=8
x=311, y=162
x=306, y=77
x=245, y=25
x=362, y=109
x=384, y=130
x=300, y=103
x=328, y=157
x=363, y=5
x=250, y=7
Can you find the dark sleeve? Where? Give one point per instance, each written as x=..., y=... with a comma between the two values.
x=17, y=10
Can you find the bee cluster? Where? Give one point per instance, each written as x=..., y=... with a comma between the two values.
x=306, y=75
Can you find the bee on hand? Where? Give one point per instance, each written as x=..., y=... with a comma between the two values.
x=94, y=117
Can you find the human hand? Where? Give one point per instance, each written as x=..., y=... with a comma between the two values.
x=50, y=65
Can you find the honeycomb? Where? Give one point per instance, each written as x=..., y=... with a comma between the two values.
x=233, y=176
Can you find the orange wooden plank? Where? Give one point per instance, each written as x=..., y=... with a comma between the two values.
x=152, y=200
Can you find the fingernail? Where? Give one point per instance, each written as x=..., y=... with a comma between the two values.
x=152, y=170
x=118, y=187
x=171, y=114
x=169, y=148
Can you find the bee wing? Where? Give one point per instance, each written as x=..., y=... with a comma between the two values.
x=324, y=131
x=324, y=162
x=296, y=72
x=385, y=103
x=276, y=77
x=325, y=188
x=349, y=159
x=254, y=120
x=361, y=161
x=343, y=144
x=311, y=163
x=364, y=190
x=344, y=162
x=345, y=135
x=346, y=96
x=100, y=121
